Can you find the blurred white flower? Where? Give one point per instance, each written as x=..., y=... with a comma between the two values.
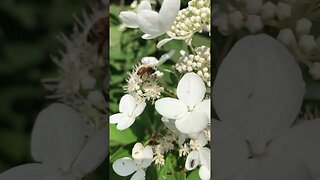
x=190, y=111
x=129, y=109
x=152, y=23
x=258, y=93
x=142, y=158
x=60, y=148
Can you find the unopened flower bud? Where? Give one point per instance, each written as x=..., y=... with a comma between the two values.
x=287, y=38
x=236, y=19
x=314, y=71
x=253, y=6
x=307, y=43
x=268, y=11
x=283, y=11
x=303, y=26
x=254, y=24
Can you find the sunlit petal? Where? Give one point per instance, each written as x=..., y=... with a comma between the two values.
x=171, y=108
x=124, y=166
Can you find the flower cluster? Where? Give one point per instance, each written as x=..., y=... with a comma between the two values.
x=199, y=63
x=195, y=18
x=184, y=108
x=290, y=20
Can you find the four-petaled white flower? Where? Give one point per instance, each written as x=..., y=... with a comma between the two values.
x=60, y=148
x=257, y=95
x=129, y=109
x=190, y=112
x=152, y=23
x=142, y=158
x=199, y=156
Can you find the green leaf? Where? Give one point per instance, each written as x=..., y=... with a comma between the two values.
x=121, y=137
x=194, y=175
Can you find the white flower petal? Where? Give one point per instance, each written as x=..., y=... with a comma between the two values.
x=129, y=19
x=182, y=139
x=204, y=173
x=171, y=108
x=259, y=88
x=145, y=4
x=205, y=106
x=127, y=104
x=139, y=175
x=57, y=136
x=205, y=156
x=230, y=151
x=124, y=166
x=163, y=42
x=137, y=150
x=201, y=140
x=148, y=22
x=302, y=141
x=142, y=155
x=31, y=172
x=92, y=154
x=168, y=13
x=125, y=123
x=165, y=57
x=117, y=118
x=191, y=89
x=193, y=160
x=170, y=123
x=139, y=109
x=149, y=36
x=193, y=122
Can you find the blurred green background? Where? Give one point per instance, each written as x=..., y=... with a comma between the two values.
x=28, y=31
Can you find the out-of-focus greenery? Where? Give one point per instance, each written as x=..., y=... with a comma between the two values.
x=126, y=50
x=28, y=31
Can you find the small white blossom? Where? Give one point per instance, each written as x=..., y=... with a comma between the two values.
x=129, y=109
x=142, y=159
x=152, y=23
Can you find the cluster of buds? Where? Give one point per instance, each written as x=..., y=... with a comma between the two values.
x=292, y=19
x=199, y=62
x=195, y=18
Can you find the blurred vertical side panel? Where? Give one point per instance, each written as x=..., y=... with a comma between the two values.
x=53, y=73
x=266, y=90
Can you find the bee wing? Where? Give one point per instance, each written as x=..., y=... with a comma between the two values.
x=165, y=57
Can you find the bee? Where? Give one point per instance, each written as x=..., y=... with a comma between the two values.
x=145, y=69
x=149, y=64
x=98, y=35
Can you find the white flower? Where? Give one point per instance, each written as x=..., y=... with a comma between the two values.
x=142, y=158
x=152, y=23
x=129, y=109
x=59, y=147
x=258, y=93
x=190, y=112
x=199, y=155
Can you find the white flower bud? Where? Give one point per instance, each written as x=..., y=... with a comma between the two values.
x=303, y=26
x=254, y=24
x=88, y=82
x=236, y=19
x=268, y=11
x=253, y=6
x=307, y=43
x=283, y=11
x=223, y=24
x=314, y=71
x=96, y=97
x=287, y=38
